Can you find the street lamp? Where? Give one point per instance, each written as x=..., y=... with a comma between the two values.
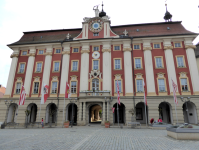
x=72, y=101
x=7, y=103
x=185, y=100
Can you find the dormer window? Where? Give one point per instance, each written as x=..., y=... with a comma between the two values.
x=95, y=34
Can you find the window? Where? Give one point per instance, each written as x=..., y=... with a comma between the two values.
x=95, y=64
x=54, y=87
x=73, y=86
x=76, y=50
x=158, y=62
x=95, y=48
x=95, y=34
x=41, y=51
x=75, y=65
x=138, y=64
x=117, y=64
x=184, y=85
x=58, y=51
x=180, y=61
x=36, y=88
x=24, y=52
x=116, y=48
x=56, y=66
x=120, y=85
x=136, y=47
x=156, y=45
x=139, y=86
x=39, y=65
x=177, y=44
x=21, y=68
x=161, y=85
x=18, y=88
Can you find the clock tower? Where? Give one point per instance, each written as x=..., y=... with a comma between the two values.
x=97, y=27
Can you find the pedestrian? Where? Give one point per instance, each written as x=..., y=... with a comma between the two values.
x=159, y=120
x=152, y=120
x=42, y=123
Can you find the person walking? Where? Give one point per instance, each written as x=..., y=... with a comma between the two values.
x=42, y=123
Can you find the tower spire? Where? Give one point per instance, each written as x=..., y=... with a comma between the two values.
x=102, y=13
x=167, y=16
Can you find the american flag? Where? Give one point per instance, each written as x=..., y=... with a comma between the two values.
x=22, y=96
x=174, y=92
x=113, y=109
x=145, y=100
x=118, y=93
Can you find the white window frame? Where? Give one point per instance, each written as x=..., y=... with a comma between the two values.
x=139, y=86
x=41, y=51
x=138, y=63
x=74, y=88
x=120, y=85
x=36, y=88
x=180, y=64
x=38, y=69
x=96, y=65
x=117, y=65
x=18, y=88
x=21, y=69
x=183, y=85
x=136, y=46
x=161, y=85
x=158, y=61
x=56, y=67
x=75, y=66
x=58, y=51
x=54, y=87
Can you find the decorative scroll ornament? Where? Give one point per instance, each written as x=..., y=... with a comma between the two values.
x=106, y=50
x=127, y=49
x=95, y=74
x=66, y=52
x=147, y=48
x=190, y=46
x=96, y=25
x=14, y=55
x=168, y=47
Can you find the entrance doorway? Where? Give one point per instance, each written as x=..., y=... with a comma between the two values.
x=192, y=113
x=140, y=113
x=95, y=114
x=33, y=112
x=12, y=112
x=72, y=108
x=51, y=111
x=121, y=113
x=165, y=112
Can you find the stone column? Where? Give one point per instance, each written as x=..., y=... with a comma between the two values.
x=11, y=76
x=192, y=65
x=128, y=68
x=65, y=69
x=84, y=112
x=30, y=65
x=80, y=111
x=170, y=63
x=84, y=67
x=47, y=66
x=104, y=113
x=108, y=119
x=107, y=66
x=149, y=68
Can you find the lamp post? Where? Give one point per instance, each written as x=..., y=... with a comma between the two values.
x=72, y=101
x=185, y=100
x=7, y=103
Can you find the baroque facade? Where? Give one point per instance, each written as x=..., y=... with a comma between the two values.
x=92, y=59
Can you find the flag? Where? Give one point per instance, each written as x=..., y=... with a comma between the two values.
x=67, y=92
x=113, y=109
x=22, y=96
x=145, y=100
x=174, y=92
x=118, y=93
x=44, y=92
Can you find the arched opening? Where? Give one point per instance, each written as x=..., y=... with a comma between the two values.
x=12, y=112
x=95, y=114
x=121, y=113
x=140, y=113
x=165, y=112
x=51, y=111
x=33, y=113
x=71, y=110
x=192, y=113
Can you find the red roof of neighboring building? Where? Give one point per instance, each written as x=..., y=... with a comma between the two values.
x=2, y=91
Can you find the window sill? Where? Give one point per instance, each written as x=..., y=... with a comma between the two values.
x=53, y=94
x=75, y=52
x=138, y=68
x=20, y=72
x=16, y=95
x=34, y=95
x=185, y=92
x=73, y=95
x=139, y=93
x=162, y=93
x=121, y=94
x=181, y=67
x=159, y=68
x=38, y=72
x=117, y=69
x=74, y=71
x=55, y=71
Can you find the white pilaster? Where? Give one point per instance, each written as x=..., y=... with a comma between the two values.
x=84, y=111
x=47, y=65
x=192, y=65
x=170, y=63
x=85, y=30
x=84, y=67
x=11, y=76
x=149, y=68
x=80, y=111
x=107, y=66
x=104, y=111
x=128, y=68
x=108, y=119
x=28, y=77
x=65, y=68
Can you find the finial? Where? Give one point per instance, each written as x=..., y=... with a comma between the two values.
x=102, y=13
x=167, y=16
x=102, y=6
x=68, y=36
x=125, y=32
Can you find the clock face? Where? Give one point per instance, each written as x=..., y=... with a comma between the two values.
x=96, y=55
x=96, y=25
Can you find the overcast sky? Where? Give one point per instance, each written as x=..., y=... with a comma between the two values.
x=17, y=16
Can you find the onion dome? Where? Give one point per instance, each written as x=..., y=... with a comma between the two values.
x=167, y=16
x=102, y=13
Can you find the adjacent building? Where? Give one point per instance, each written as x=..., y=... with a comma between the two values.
x=92, y=59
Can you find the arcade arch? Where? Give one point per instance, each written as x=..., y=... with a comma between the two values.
x=12, y=112
x=95, y=114
x=165, y=112
x=51, y=113
x=33, y=112
x=140, y=113
x=72, y=107
x=121, y=113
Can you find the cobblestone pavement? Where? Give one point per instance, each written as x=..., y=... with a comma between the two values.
x=91, y=138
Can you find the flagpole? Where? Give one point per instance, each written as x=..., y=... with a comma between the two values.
x=117, y=114
x=145, y=115
x=42, y=95
x=174, y=102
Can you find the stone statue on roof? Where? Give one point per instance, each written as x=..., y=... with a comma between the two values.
x=96, y=11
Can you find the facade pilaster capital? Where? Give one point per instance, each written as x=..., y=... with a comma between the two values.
x=15, y=50
x=32, y=50
x=14, y=55
x=147, y=48
x=49, y=49
x=66, y=52
x=31, y=54
x=85, y=51
x=168, y=47
x=190, y=46
x=48, y=53
x=127, y=49
x=106, y=50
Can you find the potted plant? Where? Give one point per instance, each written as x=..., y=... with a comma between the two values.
x=107, y=124
x=66, y=124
